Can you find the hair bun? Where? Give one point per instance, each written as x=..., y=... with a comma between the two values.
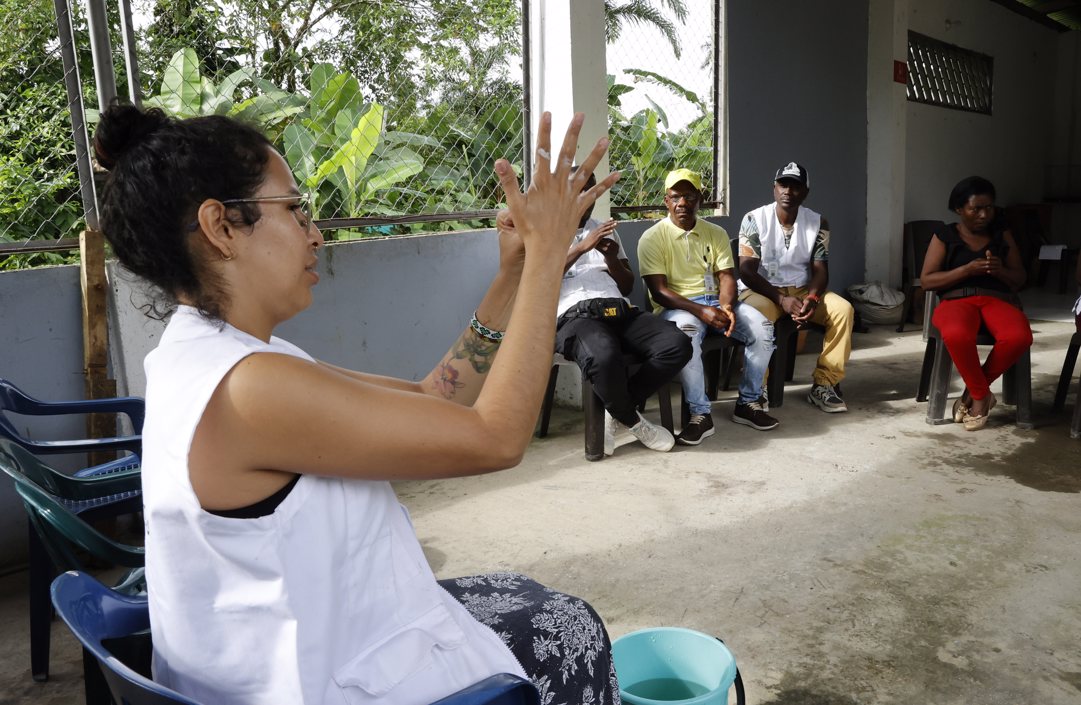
x=121, y=128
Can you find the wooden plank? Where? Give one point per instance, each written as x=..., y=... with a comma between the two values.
x=96, y=337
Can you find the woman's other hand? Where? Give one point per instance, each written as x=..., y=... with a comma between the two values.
x=511, y=248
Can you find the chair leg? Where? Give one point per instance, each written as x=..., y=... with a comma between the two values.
x=95, y=687
x=775, y=383
x=790, y=361
x=712, y=361
x=940, y=384
x=684, y=409
x=1075, y=426
x=1067, y=372
x=906, y=307
x=594, y=411
x=925, y=370
x=664, y=400
x=1022, y=373
x=549, y=398
x=41, y=607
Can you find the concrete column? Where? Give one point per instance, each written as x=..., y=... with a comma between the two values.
x=569, y=73
x=887, y=105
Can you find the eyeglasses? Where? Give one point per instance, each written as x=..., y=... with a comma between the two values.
x=301, y=207
x=688, y=198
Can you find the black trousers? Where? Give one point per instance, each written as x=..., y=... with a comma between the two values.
x=598, y=347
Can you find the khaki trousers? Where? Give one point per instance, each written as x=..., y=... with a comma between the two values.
x=833, y=312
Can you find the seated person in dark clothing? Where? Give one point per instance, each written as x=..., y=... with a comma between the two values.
x=597, y=326
x=976, y=267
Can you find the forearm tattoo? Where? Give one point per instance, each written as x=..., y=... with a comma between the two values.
x=446, y=380
x=477, y=350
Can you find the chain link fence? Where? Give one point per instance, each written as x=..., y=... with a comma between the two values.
x=660, y=97
x=389, y=111
x=39, y=184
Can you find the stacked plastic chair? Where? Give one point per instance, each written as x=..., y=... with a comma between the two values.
x=49, y=554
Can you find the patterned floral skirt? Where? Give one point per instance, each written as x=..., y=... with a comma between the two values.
x=559, y=640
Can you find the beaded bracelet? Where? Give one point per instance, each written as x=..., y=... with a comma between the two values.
x=495, y=336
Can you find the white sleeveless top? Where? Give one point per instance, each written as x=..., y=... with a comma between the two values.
x=780, y=265
x=329, y=599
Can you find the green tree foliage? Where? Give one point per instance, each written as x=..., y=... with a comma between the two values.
x=38, y=184
x=645, y=12
x=188, y=24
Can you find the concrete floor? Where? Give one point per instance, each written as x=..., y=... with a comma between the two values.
x=858, y=558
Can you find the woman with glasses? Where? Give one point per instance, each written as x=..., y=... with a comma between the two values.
x=976, y=268
x=280, y=566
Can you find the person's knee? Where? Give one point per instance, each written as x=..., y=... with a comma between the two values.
x=1015, y=339
x=675, y=350
x=597, y=354
x=841, y=313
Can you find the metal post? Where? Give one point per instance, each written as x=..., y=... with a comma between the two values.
x=131, y=63
x=720, y=109
x=75, y=107
x=527, y=98
x=101, y=51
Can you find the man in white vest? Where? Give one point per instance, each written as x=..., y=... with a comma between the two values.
x=784, y=269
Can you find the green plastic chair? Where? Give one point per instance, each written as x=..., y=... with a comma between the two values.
x=58, y=507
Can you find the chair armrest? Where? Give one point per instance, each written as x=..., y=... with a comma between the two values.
x=500, y=689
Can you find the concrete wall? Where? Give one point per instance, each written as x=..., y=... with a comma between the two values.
x=390, y=306
x=1008, y=147
x=797, y=91
x=41, y=353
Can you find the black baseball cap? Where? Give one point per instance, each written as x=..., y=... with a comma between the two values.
x=793, y=171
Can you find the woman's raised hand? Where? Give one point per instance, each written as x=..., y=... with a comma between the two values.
x=547, y=214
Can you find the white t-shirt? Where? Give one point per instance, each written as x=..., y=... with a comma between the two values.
x=588, y=278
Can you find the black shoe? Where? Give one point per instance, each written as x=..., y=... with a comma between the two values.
x=752, y=415
x=698, y=428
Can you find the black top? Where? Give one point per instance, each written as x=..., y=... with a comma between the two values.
x=261, y=508
x=959, y=254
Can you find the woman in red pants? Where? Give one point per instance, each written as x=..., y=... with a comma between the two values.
x=976, y=268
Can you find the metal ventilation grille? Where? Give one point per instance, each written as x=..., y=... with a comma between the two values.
x=948, y=76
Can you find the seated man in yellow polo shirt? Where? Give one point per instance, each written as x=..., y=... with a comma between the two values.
x=688, y=267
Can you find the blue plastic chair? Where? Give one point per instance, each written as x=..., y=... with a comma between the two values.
x=114, y=629
x=58, y=508
x=14, y=400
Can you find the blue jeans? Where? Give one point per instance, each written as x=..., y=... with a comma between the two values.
x=753, y=330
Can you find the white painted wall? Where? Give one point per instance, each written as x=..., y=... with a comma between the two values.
x=887, y=112
x=1008, y=147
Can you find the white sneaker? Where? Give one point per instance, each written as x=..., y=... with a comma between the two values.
x=610, y=426
x=653, y=436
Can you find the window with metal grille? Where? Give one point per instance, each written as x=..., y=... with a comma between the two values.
x=949, y=76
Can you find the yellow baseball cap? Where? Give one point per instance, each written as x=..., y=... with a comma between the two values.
x=674, y=177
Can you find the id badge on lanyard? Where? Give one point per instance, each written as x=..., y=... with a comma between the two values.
x=709, y=279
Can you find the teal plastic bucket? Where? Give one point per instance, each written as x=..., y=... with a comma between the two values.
x=667, y=665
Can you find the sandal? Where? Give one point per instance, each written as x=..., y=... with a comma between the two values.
x=975, y=423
